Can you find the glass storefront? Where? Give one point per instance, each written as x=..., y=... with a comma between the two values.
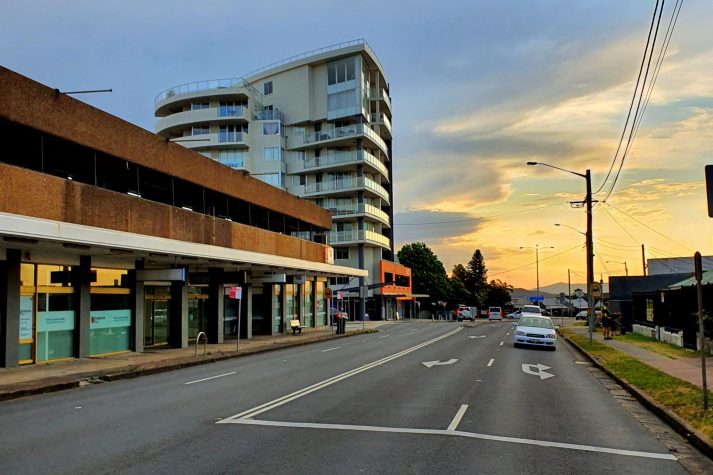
x=277, y=308
x=321, y=304
x=290, y=303
x=55, y=323
x=197, y=311
x=156, y=321
x=110, y=313
x=308, y=304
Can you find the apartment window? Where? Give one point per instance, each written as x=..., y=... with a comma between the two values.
x=298, y=131
x=232, y=158
x=267, y=88
x=230, y=109
x=272, y=153
x=199, y=105
x=274, y=179
x=341, y=253
x=341, y=71
x=298, y=180
x=298, y=155
x=200, y=130
x=342, y=100
x=232, y=133
x=271, y=128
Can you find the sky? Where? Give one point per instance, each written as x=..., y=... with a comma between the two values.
x=478, y=89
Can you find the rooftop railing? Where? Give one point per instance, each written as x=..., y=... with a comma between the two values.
x=205, y=85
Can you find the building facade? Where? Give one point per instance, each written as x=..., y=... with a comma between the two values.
x=115, y=239
x=317, y=125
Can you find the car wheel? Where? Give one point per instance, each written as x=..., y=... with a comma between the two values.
x=516, y=345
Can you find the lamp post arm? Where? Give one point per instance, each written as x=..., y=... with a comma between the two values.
x=558, y=168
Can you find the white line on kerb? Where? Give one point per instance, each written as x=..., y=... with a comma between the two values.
x=212, y=377
x=457, y=418
x=330, y=349
x=471, y=435
x=328, y=382
x=490, y=363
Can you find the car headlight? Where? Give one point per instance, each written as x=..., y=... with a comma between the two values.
x=551, y=336
x=520, y=333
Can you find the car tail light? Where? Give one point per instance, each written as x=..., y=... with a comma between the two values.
x=502, y=314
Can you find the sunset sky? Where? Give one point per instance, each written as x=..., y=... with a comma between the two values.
x=478, y=89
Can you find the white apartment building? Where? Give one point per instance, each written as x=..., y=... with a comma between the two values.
x=317, y=125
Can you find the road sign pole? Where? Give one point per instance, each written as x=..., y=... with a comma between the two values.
x=698, y=265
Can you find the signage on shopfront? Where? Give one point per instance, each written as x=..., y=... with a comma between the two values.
x=161, y=275
x=236, y=293
x=327, y=293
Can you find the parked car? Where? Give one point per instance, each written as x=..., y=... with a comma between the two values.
x=495, y=313
x=582, y=315
x=533, y=330
x=514, y=315
x=464, y=313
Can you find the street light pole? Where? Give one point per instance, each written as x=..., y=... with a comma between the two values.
x=590, y=240
x=537, y=263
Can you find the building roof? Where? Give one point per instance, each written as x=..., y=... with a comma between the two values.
x=706, y=279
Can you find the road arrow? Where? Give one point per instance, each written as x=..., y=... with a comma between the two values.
x=537, y=370
x=429, y=364
x=478, y=336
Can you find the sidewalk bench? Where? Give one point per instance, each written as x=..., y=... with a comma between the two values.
x=296, y=327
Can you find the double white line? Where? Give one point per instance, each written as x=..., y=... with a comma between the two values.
x=250, y=413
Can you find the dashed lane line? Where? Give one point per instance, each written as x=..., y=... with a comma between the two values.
x=212, y=377
x=492, y=360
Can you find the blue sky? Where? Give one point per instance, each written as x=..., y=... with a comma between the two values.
x=478, y=88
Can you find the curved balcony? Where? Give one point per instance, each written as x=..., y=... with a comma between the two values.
x=380, y=95
x=347, y=186
x=381, y=119
x=345, y=161
x=368, y=211
x=208, y=141
x=214, y=115
x=357, y=237
x=342, y=136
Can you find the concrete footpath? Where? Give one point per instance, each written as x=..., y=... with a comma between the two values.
x=71, y=373
x=687, y=369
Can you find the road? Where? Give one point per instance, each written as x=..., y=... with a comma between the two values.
x=413, y=398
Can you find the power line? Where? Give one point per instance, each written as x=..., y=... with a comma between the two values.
x=633, y=98
x=620, y=225
x=649, y=227
x=633, y=128
x=484, y=217
x=533, y=263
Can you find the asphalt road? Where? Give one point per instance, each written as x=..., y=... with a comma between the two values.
x=360, y=404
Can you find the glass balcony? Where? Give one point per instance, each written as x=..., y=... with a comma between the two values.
x=346, y=157
x=380, y=95
x=345, y=132
x=357, y=237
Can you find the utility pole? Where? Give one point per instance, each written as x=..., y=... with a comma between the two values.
x=569, y=290
x=590, y=253
x=698, y=265
x=643, y=259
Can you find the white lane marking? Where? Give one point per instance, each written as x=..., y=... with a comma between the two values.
x=477, y=336
x=212, y=377
x=383, y=336
x=430, y=364
x=501, y=343
x=507, y=334
x=334, y=379
x=456, y=420
x=471, y=435
x=331, y=349
x=490, y=363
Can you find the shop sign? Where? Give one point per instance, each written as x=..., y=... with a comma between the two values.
x=109, y=319
x=55, y=321
x=236, y=293
x=26, y=318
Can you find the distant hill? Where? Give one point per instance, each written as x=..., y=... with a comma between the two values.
x=524, y=293
x=562, y=287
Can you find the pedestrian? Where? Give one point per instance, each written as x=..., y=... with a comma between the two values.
x=607, y=323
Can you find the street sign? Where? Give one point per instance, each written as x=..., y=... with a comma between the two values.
x=328, y=293
x=340, y=295
x=596, y=289
x=536, y=298
x=236, y=293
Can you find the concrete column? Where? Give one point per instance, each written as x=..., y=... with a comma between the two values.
x=178, y=316
x=216, y=308
x=81, y=281
x=246, y=319
x=137, y=312
x=10, y=308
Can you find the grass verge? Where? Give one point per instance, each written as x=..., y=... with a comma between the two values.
x=680, y=397
x=655, y=346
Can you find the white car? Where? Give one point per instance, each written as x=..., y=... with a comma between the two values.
x=531, y=309
x=534, y=330
x=514, y=315
x=464, y=313
x=495, y=313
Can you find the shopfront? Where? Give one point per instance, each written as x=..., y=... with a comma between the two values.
x=157, y=305
x=110, y=313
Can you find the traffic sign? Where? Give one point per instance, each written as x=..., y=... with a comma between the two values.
x=535, y=298
x=596, y=289
x=328, y=293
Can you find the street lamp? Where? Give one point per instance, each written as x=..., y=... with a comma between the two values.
x=590, y=244
x=626, y=268
x=572, y=228
x=537, y=261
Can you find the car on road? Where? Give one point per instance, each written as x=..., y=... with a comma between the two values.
x=581, y=315
x=514, y=315
x=464, y=313
x=495, y=313
x=531, y=309
x=534, y=330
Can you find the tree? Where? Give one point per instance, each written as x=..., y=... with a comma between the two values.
x=499, y=293
x=458, y=293
x=477, y=282
x=460, y=274
x=427, y=272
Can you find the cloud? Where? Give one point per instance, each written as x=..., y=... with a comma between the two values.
x=434, y=226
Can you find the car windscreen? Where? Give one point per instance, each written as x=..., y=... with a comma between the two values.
x=536, y=322
x=530, y=309
x=494, y=309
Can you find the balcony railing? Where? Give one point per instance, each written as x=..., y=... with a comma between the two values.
x=347, y=157
x=345, y=131
x=380, y=94
x=336, y=237
x=380, y=118
x=268, y=115
x=363, y=208
x=348, y=184
x=205, y=85
x=232, y=111
x=228, y=137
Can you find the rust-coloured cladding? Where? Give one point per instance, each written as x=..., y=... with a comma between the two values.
x=34, y=105
x=29, y=193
